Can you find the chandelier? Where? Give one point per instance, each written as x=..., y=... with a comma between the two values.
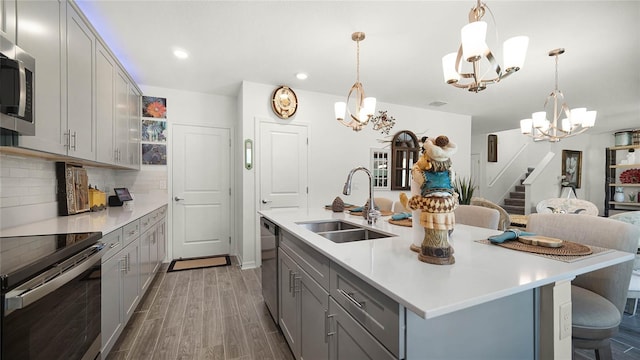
x=576, y=120
x=474, y=48
x=365, y=107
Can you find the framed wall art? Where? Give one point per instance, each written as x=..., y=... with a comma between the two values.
x=571, y=168
x=154, y=107
x=492, y=148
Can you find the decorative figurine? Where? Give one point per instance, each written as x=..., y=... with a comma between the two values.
x=436, y=200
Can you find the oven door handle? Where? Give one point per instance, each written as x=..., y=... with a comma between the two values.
x=22, y=299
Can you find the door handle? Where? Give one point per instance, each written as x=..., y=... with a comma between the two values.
x=178, y=198
x=265, y=201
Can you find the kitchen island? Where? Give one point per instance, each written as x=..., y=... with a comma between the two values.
x=492, y=303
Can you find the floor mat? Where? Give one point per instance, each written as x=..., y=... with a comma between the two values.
x=199, y=263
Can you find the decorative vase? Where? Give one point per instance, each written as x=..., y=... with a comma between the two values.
x=618, y=197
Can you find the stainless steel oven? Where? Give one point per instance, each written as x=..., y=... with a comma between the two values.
x=51, y=291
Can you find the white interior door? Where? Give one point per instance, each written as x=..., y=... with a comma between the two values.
x=201, y=191
x=283, y=166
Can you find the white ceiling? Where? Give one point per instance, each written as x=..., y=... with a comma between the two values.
x=270, y=41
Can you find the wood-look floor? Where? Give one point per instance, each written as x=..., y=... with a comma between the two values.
x=218, y=313
x=214, y=313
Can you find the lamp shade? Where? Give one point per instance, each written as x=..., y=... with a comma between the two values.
x=340, y=110
x=474, y=40
x=369, y=106
x=577, y=116
x=514, y=52
x=539, y=119
x=451, y=74
x=566, y=125
x=525, y=126
x=589, y=119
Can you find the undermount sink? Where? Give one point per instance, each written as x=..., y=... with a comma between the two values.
x=340, y=231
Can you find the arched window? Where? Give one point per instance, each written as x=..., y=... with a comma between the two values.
x=405, y=150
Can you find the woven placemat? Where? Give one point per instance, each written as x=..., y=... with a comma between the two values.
x=403, y=222
x=569, y=252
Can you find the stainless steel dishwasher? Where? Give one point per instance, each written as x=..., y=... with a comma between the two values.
x=269, y=236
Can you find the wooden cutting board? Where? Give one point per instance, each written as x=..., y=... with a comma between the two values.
x=537, y=240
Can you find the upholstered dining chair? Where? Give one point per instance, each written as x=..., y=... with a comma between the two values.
x=633, y=295
x=383, y=204
x=566, y=206
x=477, y=216
x=399, y=208
x=598, y=297
x=505, y=218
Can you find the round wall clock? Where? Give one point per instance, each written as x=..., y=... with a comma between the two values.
x=284, y=102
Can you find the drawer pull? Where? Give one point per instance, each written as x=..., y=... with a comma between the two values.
x=296, y=283
x=290, y=281
x=327, y=326
x=349, y=297
x=114, y=245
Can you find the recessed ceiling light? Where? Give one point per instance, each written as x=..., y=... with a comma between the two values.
x=180, y=54
x=437, y=103
x=302, y=76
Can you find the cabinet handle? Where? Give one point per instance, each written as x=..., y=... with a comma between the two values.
x=290, y=281
x=67, y=135
x=123, y=264
x=349, y=297
x=75, y=139
x=128, y=262
x=296, y=287
x=327, y=326
x=114, y=245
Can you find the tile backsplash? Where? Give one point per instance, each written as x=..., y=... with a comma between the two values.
x=28, y=186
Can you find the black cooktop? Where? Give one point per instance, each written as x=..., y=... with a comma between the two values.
x=22, y=257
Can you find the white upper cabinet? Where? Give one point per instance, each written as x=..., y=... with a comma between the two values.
x=42, y=34
x=8, y=17
x=105, y=105
x=81, y=123
x=86, y=105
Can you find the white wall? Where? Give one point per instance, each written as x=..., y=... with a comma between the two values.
x=334, y=149
x=548, y=183
x=191, y=108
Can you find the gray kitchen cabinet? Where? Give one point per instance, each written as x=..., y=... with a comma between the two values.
x=303, y=301
x=50, y=77
x=112, y=316
x=81, y=122
x=134, y=137
x=349, y=340
x=127, y=270
x=289, y=310
x=120, y=278
x=131, y=271
x=327, y=312
x=162, y=236
x=314, y=304
x=106, y=68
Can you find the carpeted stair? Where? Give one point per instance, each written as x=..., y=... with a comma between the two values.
x=514, y=204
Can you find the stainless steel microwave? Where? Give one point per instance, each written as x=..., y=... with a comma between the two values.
x=17, y=88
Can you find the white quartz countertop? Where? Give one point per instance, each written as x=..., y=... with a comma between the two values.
x=480, y=274
x=104, y=221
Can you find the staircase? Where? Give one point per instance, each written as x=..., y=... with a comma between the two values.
x=514, y=204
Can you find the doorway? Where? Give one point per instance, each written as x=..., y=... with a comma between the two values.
x=201, y=191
